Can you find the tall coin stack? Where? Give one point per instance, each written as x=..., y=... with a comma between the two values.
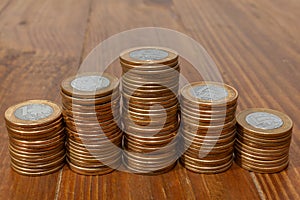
x=150, y=108
x=208, y=126
x=91, y=112
x=263, y=140
x=36, y=137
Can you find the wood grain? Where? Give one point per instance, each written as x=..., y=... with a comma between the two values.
x=255, y=45
x=40, y=43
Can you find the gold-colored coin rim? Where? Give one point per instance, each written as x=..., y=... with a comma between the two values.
x=286, y=127
x=13, y=121
x=125, y=57
x=230, y=99
x=67, y=88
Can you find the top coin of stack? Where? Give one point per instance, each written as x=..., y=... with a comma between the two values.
x=208, y=126
x=91, y=111
x=36, y=137
x=263, y=140
x=150, y=108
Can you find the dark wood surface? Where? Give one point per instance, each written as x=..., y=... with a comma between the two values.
x=255, y=44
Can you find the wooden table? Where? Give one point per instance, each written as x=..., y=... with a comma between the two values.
x=255, y=44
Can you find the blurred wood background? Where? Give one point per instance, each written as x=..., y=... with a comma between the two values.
x=255, y=44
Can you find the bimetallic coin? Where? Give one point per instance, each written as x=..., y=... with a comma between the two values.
x=36, y=137
x=263, y=140
x=89, y=85
x=92, y=113
x=32, y=113
x=208, y=126
x=150, y=108
x=264, y=122
x=148, y=55
x=209, y=94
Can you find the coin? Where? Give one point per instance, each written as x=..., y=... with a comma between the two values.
x=148, y=55
x=206, y=170
x=32, y=113
x=266, y=143
x=207, y=113
x=150, y=92
x=89, y=85
x=89, y=101
x=208, y=126
x=209, y=94
x=150, y=84
x=263, y=140
x=255, y=168
x=211, y=129
x=155, y=171
x=264, y=122
x=42, y=172
x=147, y=70
x=89, y=170
x=206, y=121
x=91, y=112
x=36, y=137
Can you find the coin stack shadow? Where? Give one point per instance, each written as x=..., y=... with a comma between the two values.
x=36, y=137
x=150, y=109
x=263, y=140
x=91, y=112
x=207, y=126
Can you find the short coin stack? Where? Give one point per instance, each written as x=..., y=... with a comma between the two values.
x=263, y=140
x=91, y=112
x=150, y=108
x=208, y=126
x=36, y=137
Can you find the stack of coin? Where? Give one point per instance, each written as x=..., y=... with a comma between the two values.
x=263, y=140
x=91, y=112
x=150, y=108
x=36, y=137
x=208, y=126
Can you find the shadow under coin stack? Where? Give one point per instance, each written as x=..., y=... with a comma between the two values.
x=150, y=109
x=263, y=140
x=36, y=137
x=208, y=126
x=91, y=112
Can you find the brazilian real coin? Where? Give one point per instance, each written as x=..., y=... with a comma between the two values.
x=91, y=112
x=150, y=108
x=36, y=137
x=148, y=55
x=265, y=123
x=208, y=126
x=209, y=94
x=89, y=85
x=263, y=140
x=32, y=113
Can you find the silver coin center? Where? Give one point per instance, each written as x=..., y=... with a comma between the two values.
x=209, y=92
x=34, y=112
x=264, y=120
x=149, y=54
x=90, y=83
